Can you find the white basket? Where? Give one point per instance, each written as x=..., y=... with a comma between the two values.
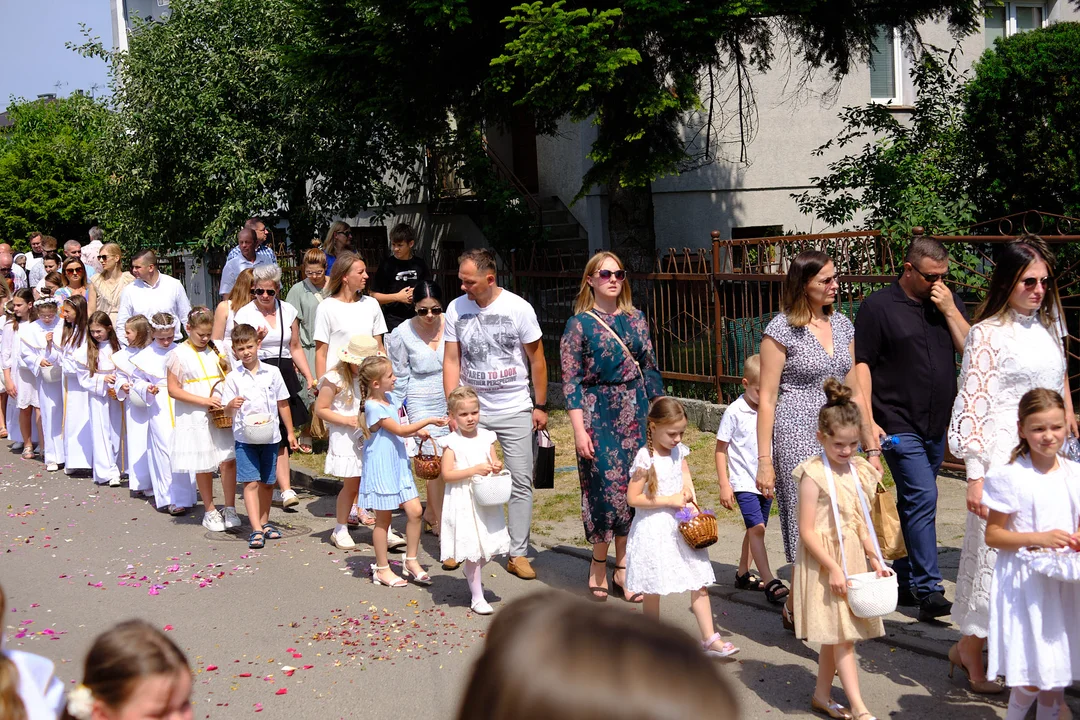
x=492, y=490
x=1062, y=565
x=869, y=596
x=259, y=429
x=51, y=373
x=136, y=399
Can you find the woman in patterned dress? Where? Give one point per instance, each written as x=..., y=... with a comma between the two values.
x=609, y=376
x=804, y=345
x=1014, y=346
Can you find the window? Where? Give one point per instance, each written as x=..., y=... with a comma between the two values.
x=1005, y=20
x=885, y=63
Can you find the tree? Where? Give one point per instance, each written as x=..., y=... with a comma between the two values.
x=636, y=68
x=47, y=182
x=1023, y=111
x=212, y=126
x=906, y=173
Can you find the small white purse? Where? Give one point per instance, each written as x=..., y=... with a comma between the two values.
x=492, y=490
x=868, y=595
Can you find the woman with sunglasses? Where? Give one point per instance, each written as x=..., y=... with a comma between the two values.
x=108, y=284
x=277, y=325
x=338, y=240
x=609, y=376
x=74, y=273
x=1015, y=345
x=416, y=351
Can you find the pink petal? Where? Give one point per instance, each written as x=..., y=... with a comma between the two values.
x=281, y=691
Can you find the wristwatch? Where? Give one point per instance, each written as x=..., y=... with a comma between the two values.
x=540, y=406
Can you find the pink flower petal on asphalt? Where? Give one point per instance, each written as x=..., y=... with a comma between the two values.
x=281, y=691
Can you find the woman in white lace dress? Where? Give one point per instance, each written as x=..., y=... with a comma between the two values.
x=1016, y=345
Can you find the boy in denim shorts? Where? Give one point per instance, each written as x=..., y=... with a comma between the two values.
x=256, y=391
x=736, y=470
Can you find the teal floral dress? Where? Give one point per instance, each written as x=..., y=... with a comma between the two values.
x=601, y=381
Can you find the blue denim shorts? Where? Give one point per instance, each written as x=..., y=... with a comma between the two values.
x=755, y=508
x=256, y=463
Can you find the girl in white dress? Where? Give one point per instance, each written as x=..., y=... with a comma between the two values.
x=198, y=446
x=659, y=561
x=134, y=444
x=1034, y=501
x=21, y=386
x=5, y=320
x=40, y=350
x=98, y=376
x=1014, y=346
x=78, y=436
x=9, y=358
x=173, y=493
x=469, y=532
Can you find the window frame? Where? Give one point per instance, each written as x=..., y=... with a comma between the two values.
x=1010, y=7
x=898, y=76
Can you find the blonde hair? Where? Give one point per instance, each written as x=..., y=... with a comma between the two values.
x=751, y=370
x=373, y=368
x=342, y=267
x=663, y=411
x=460, y=395
x=240, y=295
x=200, y=316
x=1034, y=401
x=141, y=326
x=839, y=411
x=586, y=298
x=348, y=372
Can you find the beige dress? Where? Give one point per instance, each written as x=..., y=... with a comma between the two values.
x=108, y=294
x=820, y=615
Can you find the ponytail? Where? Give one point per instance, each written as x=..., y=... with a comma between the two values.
x=663, y=411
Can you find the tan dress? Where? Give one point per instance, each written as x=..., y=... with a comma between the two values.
x=108, y=294
x=820, y=615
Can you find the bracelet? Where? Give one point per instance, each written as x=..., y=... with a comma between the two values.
x=873, y=452
x=761, y=457
x=540, y=406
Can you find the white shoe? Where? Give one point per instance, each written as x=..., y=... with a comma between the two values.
x=342, y=540
x=52, y=467
x=394, y=541
x=481, y=607
x=231, y=518
x=276, y=500
x=115, y=482
x=289, y=499
x=212, y=521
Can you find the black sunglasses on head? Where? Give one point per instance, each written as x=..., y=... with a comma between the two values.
x=264, y=291
x=422, y=312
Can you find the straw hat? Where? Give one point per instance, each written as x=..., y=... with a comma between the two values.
x=359, y=347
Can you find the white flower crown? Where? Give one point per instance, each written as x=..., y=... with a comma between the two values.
x=80, y=702
x=46, y=300
x=162, y=326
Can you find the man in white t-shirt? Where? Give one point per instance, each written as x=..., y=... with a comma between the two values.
x=736, y=471
x=493, y=345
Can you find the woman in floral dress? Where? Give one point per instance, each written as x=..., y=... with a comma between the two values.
x=609, y=376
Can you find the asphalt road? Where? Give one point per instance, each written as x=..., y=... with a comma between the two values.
x=78, y=558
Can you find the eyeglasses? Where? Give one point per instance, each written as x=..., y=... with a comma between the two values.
x=315, y=273
x=347, y=233
x=78, y=271
x=263, y=291
x=607, y=274
x=1029, y=283
x=435, y=311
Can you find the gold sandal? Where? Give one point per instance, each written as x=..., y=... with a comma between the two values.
x=831, y=708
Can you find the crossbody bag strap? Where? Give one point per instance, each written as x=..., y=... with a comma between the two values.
x=281, y=330
x=836, y=511
x=619, y=340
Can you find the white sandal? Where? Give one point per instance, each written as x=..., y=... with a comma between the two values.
x=727, y=649
x=397, y=583
x=421, y=578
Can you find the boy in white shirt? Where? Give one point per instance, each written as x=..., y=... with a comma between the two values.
x=736, y=470
x=257, y=388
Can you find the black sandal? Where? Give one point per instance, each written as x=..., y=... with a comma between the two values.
x=621, y=591
x=593, y=590
x=749, y=580
x=776, y=592
x=255, y=540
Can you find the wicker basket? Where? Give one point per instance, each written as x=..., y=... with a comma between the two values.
x=700, y=531
x=112, y=394
x=219, y=417
x=427, y=467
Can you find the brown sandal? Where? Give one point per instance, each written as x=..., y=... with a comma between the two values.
x=621, y=591
x=594, y=589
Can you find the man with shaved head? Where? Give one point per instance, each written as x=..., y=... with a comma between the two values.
x=247, y=243
x=8, y=268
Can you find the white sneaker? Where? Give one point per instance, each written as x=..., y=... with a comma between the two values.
x=276, y=500
x=212, y=521
x=115, y=482
x=481, y=607
x=289, y=499
x=52, y=467
x=394, y=541
x=342, y=540
x=231, y=518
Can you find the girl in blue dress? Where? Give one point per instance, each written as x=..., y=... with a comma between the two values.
x=387, y=483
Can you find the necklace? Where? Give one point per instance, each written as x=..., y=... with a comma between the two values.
x=433, y=336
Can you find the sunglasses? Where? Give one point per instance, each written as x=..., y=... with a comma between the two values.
x=263, y=291
x=928, y=277
x=78, y=271
x=423, y=312
x=102, y=258
x=607, y=274
x=1029, y=283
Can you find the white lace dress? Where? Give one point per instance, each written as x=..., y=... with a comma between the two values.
x=658, y=560
x=1004, y=357
x=469, y=531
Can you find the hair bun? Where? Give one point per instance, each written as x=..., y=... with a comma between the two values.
x=836, y=393
x=316, y=243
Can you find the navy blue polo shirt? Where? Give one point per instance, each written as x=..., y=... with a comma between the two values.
x=912, y=361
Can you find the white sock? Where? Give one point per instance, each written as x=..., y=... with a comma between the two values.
x=338, y=528
x=1020, y=701
x=473, y=573
x=1050, y=702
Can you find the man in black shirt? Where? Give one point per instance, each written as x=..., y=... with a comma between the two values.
x=397, y=275
x=906, y=339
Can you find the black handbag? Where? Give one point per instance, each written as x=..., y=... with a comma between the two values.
x=544, y=467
